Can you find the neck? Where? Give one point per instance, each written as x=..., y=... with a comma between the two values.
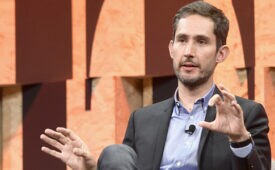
x=188, y=95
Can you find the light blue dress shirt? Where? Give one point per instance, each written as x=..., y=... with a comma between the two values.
x=180, y=151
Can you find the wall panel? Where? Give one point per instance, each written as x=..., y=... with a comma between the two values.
x=44, y=106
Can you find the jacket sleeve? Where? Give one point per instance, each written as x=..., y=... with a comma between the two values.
x=256, y=122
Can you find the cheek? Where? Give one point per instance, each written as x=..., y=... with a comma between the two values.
x=176, y=57
x=177, y=50
x=208, y=64
x=209, y=61
x=175, y=63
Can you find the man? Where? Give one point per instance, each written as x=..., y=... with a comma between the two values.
x=202, y=127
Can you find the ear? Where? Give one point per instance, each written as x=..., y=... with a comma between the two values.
x=171, y=49
x=222, y=53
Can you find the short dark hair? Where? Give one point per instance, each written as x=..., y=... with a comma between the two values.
x=221, y=23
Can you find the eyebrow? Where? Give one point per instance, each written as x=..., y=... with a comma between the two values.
x=198, y=37
x=181, y=35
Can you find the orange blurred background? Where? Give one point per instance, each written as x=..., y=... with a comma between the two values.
x=87, y=64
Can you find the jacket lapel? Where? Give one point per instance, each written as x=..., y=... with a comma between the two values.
x=165, y=116
x=210, y=116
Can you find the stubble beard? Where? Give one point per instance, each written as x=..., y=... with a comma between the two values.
x=192, y=83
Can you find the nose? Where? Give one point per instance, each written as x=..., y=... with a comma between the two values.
x=189, y=50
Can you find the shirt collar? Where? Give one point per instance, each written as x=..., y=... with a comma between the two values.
x=205, y=99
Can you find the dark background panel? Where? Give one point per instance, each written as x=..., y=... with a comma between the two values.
x=93, y=9
x=44, y=106
x=164, y=87
x=245, y=16
x=43, y=41
x=158, y=32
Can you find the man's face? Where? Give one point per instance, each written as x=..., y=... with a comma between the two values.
x=193, y=50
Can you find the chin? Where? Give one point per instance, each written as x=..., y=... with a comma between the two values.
x=193, y=82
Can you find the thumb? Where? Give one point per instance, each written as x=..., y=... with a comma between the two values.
x=207, y=125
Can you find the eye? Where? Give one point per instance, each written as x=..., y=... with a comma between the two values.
x=202, y=41
x=181, y=39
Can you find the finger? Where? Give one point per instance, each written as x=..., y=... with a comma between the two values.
x=224, y=90
x=215, y=100
x=56, y=135
x=228, y=97
x=81, y=152
x=207, y=125
x=237, y=107
x=51, y=152
x=51, y=141
x=68, y=133
x=221, y=87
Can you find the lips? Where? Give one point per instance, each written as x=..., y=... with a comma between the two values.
x=189, y=64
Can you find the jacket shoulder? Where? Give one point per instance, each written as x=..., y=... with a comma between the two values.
x=246, y=103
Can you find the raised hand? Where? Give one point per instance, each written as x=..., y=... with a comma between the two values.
x=229, y=117
x=71, y=149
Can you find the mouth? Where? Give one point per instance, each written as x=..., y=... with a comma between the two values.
x=188, y=66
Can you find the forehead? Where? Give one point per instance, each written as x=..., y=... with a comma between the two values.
x=196, y=25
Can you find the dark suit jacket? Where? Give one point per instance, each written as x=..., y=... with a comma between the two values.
x=148, y=127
